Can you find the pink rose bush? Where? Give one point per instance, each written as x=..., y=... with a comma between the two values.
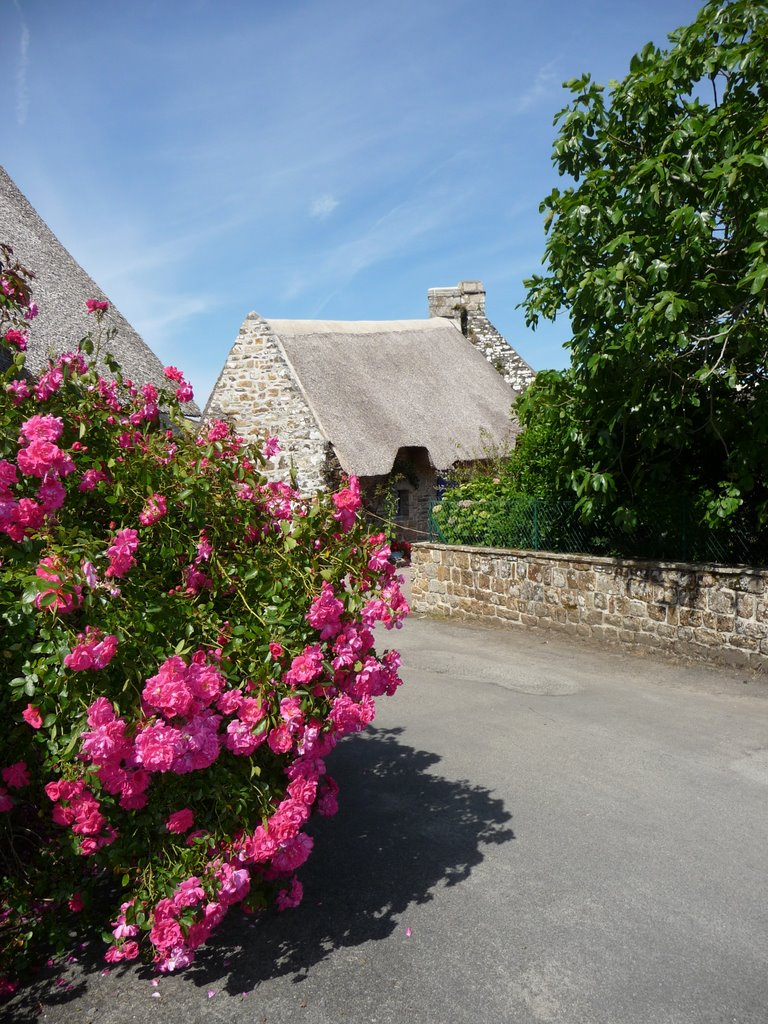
x=186, y=643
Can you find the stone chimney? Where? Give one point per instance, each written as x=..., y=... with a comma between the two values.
x=458, y=303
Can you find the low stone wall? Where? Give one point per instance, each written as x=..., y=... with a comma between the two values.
x=705, y=612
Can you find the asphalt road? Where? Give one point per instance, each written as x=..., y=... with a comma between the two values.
x=533, y=831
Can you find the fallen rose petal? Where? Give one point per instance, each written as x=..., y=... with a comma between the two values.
x=408, y=933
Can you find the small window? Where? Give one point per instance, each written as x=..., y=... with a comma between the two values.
x=403, y=499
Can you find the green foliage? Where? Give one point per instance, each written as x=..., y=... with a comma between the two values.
x=659, y=255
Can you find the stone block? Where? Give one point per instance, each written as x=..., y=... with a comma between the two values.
x=743, y=643
x=665, y=631
x=745, y=605
x=721, y=601
x=607, y=583
x=707, y=637
x=558, y=578
x=603, y=632
x=752, y=583
x=755, y=630
x=732, y=656
x=690, y=617
x=725, y=623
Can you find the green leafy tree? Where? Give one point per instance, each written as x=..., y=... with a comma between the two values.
x=659, y=254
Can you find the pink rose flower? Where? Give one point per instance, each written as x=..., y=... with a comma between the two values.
x=290, y=897
x=158, y=746
x=42, y=428
x=180, y=821
x=96, y=305
x=305, y=666
x=325, y=612
x=155, y=508
x=271, y=448
x=16, y=775
x=121, y=552
x=19, y=389
x=347, y=502
x=31, y=715
x=17, y=338
x=280, y=740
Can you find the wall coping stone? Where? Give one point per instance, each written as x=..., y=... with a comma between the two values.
x=598, y=560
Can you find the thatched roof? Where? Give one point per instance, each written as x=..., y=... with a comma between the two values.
x=377, y=386
x=60, y=289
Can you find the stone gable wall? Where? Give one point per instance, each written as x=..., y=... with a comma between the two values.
x=705, y=612
x=512, y=367
x=257, y=393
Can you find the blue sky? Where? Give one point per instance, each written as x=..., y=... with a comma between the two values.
x=302, y=158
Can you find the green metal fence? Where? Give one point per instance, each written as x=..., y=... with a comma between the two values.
x=539, y=524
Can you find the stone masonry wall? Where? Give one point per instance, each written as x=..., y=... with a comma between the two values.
x=258, y=395
x=705, y=612
x=465, y=304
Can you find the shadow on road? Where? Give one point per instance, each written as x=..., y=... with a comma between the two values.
x=402, y=831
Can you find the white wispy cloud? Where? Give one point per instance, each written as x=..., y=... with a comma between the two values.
x=22, y=90
x=323, y=207
x=545, y=83
x=399, y=230
x=170, y=312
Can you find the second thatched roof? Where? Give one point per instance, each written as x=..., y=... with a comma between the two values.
x=60, y=289
x=375, y=387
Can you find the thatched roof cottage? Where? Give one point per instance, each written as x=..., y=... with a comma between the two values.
x=394, y=402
